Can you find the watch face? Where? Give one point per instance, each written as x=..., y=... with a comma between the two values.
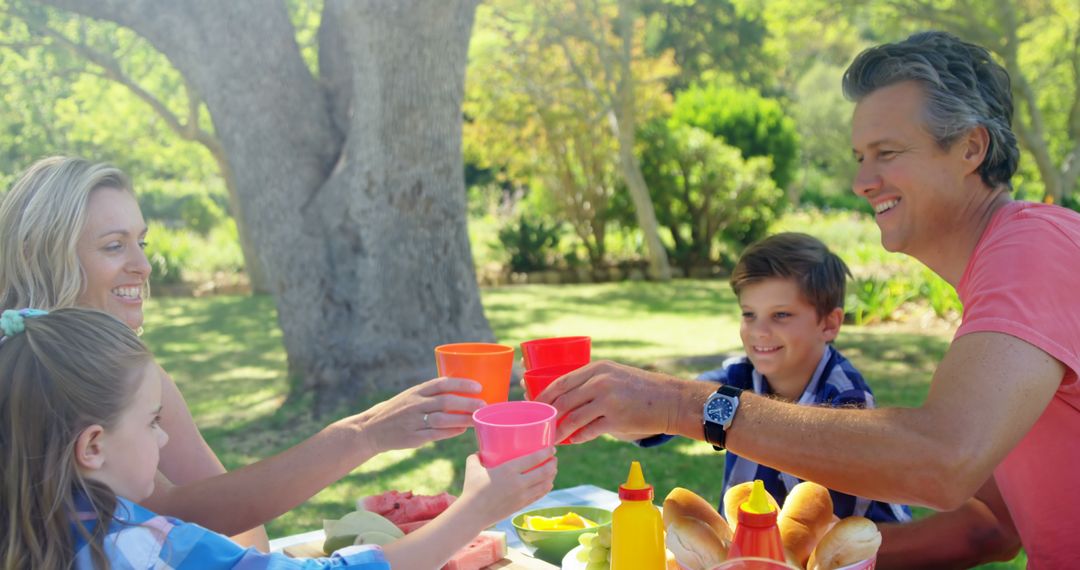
x=719, y=410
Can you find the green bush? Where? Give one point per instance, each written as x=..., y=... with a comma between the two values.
x=704, y=193
x=939, y=295
x=530, y=244
x=178, y=255
x=875, y=299
x=179, y=204
x=169, y=252
x=742, y=118
x=200, y=213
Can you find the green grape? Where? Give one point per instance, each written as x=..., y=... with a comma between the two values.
x=603, y=536
x=586, y=539
x=598, y=555
x=597, y=566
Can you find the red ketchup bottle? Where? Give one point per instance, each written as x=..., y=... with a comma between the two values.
x=757, y=533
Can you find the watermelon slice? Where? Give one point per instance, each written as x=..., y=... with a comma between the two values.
x=411, y=526
x=406, y=507
x=384, y=502
x=483, y=551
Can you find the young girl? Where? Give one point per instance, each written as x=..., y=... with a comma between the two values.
x=80, y=405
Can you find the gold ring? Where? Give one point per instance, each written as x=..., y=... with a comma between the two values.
x=426, y=424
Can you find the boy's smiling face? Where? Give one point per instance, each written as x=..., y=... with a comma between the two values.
x=782, y=334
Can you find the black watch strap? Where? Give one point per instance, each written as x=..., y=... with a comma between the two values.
x=714, y=432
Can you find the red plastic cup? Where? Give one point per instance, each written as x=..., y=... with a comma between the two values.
x=489, y=364
x=544, y=352
x=538, y=379
x=511, y=429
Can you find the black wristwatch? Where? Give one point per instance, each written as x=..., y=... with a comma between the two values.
x=719, y=411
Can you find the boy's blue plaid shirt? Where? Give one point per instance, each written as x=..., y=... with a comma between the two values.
x=141, y=540
x=835, y=383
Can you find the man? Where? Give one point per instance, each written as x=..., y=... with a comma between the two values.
x=931, y=133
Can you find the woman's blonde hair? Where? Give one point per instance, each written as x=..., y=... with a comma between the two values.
x=41, y=220
x=68, y=370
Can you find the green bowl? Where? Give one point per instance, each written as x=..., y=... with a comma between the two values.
x=552, y=545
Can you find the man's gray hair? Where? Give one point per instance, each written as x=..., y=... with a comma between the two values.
x=964, y=88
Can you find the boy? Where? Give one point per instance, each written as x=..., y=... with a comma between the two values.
x=791, y=293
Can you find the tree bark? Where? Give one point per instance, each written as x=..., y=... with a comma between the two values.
x=625, y=126
x=352, y=186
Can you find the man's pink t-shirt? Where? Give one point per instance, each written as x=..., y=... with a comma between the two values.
x=1023, y=280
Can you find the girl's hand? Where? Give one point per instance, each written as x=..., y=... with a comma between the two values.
x=421, y=414
x=496, y=493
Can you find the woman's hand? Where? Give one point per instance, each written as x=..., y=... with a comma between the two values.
x=496, y=493
x=426, y=412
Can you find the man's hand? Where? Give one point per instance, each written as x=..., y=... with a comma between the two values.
x=605, y=397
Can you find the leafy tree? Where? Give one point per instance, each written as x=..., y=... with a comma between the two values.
x=705, y=192
x=823, y=119
x=710, y=39
x=599, y=41
x=351, y=184
x=745, y=120
x=531, y=116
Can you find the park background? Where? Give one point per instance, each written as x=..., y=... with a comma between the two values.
x=602, y=165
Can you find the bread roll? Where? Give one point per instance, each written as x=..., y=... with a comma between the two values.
x=696, y=534
x=735, y=497
x=851, y=540
x=805, y=517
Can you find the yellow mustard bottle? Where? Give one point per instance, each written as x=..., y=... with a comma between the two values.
x=637, y=529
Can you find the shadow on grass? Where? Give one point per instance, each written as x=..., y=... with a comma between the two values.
x=543, y=303
x=225, y=354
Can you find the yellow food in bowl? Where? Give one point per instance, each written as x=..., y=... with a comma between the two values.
x=568, y=521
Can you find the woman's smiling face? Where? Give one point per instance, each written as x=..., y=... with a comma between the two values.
x=111, y=255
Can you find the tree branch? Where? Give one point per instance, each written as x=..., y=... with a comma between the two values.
x=110, y=69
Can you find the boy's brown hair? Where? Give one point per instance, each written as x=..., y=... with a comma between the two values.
x=820, y=274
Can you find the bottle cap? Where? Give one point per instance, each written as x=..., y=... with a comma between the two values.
x=635, y=488
x=758, y=503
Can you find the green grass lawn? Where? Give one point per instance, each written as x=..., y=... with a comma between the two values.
x=226, y=355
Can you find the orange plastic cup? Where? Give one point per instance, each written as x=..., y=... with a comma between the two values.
x=487, y=363
x=543, y=352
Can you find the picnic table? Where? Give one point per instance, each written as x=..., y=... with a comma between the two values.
x=519, y=557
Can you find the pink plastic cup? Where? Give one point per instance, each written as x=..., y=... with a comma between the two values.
x=511, y=429
x=557, y=350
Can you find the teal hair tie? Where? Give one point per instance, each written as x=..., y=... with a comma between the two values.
x=13, y=322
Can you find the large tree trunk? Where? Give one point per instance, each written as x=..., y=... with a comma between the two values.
x=253, y=264
x=353, y=188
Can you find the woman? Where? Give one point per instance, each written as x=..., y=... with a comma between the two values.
x=72, y=234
